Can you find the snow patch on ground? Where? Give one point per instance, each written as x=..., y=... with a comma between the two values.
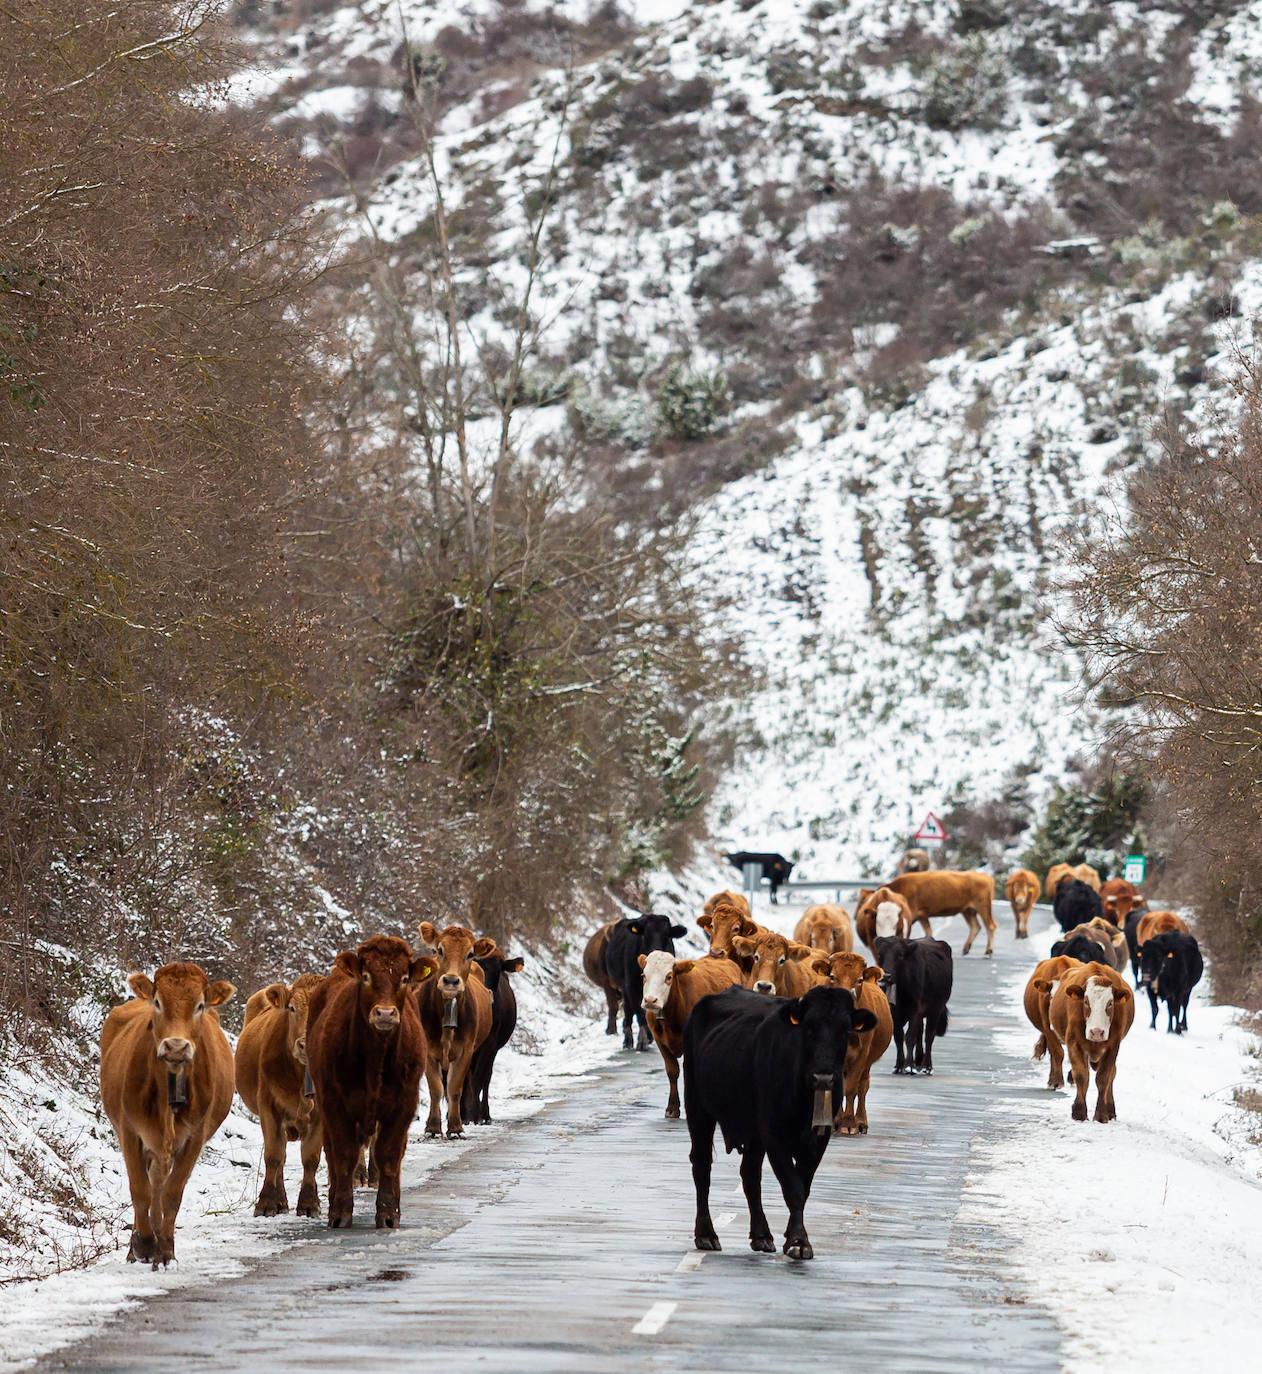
x=1151, y=1224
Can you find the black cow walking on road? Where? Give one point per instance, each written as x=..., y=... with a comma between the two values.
x=628, y=939
x=775, y=867
x=1170, y=966
x=475, y=1105
x=756, y=1067
x=917, y=981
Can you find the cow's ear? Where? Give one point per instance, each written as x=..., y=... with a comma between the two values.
x=1121, y=994
x=792, y=1012
x=348, y=963
x=706, y=923
x=484, y=948
x=633, y=927
x=742, y=947
x=822, y=966
x=274, y=995
x=747, y=927
x=642, y=960
x=222, y=991
x=685, y=965
x=677, y=932
x=1041, y=985
x=872, y=974
x=1077, y=991
x=422, y=967
x=142, y=985
x=428, y=932
x=799, y=952
x=861, y=1019
x=513, y=965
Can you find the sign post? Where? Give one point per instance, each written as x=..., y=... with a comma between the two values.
x=932, y=833
x=1134, y=868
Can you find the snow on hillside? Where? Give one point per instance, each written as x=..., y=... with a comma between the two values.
x=893, y=531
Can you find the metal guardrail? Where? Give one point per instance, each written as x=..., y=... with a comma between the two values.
x=837, y=885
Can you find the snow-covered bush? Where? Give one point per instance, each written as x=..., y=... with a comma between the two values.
x=966, y=87
x=691, y=402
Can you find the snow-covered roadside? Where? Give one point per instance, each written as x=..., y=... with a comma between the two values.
x=217, y=1236
x=1147, y=1230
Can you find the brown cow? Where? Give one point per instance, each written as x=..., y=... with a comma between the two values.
x=672, y=987
x=827, y=928
x=1091, y=1011
x=1082, y=871
x=1097, y=931
x=849, y=971
x=272, y=1078
x=1157, y=923
x=594, y=968
x=1110, y=893
x=1038, y=1001
x=776, y=965
x=724, y=917
x=456, y=1014
x=883, y=912
x=366, y=1052
x=947, y=892
x=1022, y=890
x=915, y=861
x=166, y=1086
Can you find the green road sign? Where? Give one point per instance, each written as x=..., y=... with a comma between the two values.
x=1133, y=869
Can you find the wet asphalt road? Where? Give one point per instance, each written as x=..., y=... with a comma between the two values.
x=565, y=1243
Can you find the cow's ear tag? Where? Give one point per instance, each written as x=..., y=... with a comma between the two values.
x=793, y=1021
x=426, y=971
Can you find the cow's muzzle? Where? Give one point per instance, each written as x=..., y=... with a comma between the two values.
x=650, y=1004
x=384, y=1018
x=764, y=987
x=1096, y=1034
x=176, y=1053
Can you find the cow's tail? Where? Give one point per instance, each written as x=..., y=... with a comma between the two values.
x=1040, y=1047
x=942, y=1022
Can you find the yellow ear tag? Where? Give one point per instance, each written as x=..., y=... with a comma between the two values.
x=793, y=1021
x=428, y=970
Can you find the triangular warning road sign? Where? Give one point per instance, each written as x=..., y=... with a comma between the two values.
x=931, y=829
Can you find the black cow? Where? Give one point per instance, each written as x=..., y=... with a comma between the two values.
x=775, y=867
x=1075, y=903
x=758, y=1067
x=1170, y=967
x=475, y=1101
x=628, y=939
x=917, y=981
x=1084, y=949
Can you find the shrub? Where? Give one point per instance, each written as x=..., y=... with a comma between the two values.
x=966, y=87
x=690, y=402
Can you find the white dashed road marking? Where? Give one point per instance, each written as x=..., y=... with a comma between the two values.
x=691, y=1262
x=725, y=1218
x=654, y=1319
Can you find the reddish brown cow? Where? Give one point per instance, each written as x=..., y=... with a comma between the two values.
x=724, y=917
x=672, y=987
x=594, y=968
x=883, y=912
x=827, y=928
x=849, y=971
x=775, y=965
x=366, y=1052
x=272, y=1078
x=1022, y=890
x=1118, y=897
x=1157, y=923
x=166, y=1086
x=456, y=1013
x=1038, y=1001
x=947, y=892
x=1091, y=1011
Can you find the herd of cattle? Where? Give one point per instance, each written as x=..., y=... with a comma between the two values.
x=778, y=1036
x=334, y=1062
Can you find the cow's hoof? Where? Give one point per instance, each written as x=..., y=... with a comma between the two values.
x=340, y=1220
x=863, y=1128
x=308, y=1209
x=799, y=1248
x=265, y=1209
x=672, y=1113
x=433, y=1132
x=142, y=1248
x=387, y=1221
x=928, y=1072
x=457, y=1134
x=710, y=1242
x=763, y=1244
x=1079, y=1112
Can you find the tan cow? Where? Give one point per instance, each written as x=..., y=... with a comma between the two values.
x=166, y=1086
x=1038, y=1001
x=455, y=1009
x=827, y=928
x=594, y=968
x=1091, y=1011
x=850, y=971
x=915, y=861
x=272, y=1078
x=882, y=913
x=672, y=987
x=724, y=917
x=1058, y=872
x=775, y=965
x=948, y=892
x=1022, y=890
x=1157, y=923
x=1118, y=897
